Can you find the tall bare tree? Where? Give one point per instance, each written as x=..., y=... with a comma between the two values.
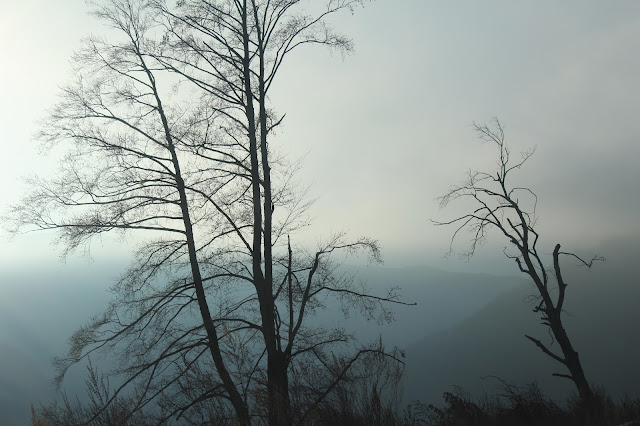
x=232, y=50
x=170, y=127
x=510, y=209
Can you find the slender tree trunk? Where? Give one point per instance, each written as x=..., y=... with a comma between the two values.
x=572, y=361
x=553, y=316
x=234, y=396
x=278, y=390
x=277, y=379
x=277, y=364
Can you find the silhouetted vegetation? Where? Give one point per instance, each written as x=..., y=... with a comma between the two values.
x=509, y=208
x=168, y=130
x=522, y=405
x=367, y=394
x=370, y=397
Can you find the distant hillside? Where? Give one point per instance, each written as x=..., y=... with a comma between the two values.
x=43, y=308
x=604, y=324
x=465, y=326
x=39, y=309
x=443, y=299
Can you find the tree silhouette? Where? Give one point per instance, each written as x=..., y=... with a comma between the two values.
x=498, y=204
x=169, y=128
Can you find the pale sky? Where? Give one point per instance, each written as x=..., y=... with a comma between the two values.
x=387, y=129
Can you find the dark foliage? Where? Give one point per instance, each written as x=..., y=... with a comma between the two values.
x=370, y=396
x=525, y=406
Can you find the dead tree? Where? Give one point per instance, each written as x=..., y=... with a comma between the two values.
x=510, y=209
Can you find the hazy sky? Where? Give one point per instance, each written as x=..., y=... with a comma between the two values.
x=387, y=129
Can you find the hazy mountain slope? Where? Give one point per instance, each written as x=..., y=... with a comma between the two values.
x=43, y=308
x=21, y=380
x=443, y=298
x=604, y=328
x=39, y=309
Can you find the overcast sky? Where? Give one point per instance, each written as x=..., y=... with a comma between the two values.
x=387, y=129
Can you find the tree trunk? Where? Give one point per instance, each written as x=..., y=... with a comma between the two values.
x=572, y=361
x=278, y=390
x=553, y=317
x=235, y=397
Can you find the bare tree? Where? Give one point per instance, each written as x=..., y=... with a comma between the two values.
x=231, y=52
x=511, y=210
x=124, y=173
x=169, y=128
